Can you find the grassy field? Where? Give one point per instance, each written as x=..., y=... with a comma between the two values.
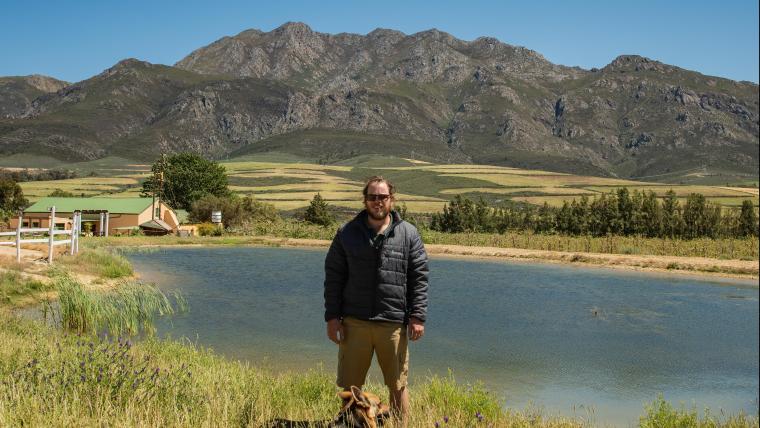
x=289, y=182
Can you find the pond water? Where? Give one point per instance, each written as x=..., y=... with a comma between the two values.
x=562, y=338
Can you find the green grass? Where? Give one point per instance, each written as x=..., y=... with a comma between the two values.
x=101, y=262
x=15, y=288
x=416, y=181
x=128, y=310
x=661, y=413
x=235, y=180
x=54, y=379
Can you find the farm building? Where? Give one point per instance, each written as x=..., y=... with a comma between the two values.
x=103, y=216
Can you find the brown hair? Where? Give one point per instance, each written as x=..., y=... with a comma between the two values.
x=379, y=179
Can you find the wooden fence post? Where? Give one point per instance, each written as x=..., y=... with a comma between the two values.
x=73, y=233
x=52, y=235
x=18, y=237
x=79, y=229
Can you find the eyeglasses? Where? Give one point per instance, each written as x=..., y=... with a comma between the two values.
x=372, y=198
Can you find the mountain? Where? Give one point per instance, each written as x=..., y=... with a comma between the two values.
x=18, y=92
x=427, y=95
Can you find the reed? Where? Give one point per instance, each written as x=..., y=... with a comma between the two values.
x=130, y=309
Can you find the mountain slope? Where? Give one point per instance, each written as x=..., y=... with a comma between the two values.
x=428, y=94
x=18, y=92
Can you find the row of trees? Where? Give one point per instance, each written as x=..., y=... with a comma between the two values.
x=617, y=213
x=37, y=174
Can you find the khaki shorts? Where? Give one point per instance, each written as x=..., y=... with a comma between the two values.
x=387, y=339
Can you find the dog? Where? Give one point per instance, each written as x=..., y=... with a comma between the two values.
x=360, y=410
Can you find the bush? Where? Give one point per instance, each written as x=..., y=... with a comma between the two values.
x=236, y=211
x=209, y=229
x=318, y=213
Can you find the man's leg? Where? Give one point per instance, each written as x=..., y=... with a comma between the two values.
x=354, y=353
x=391, y=348
x=400, y=403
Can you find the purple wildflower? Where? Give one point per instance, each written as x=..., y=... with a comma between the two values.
x=445, y=419
x=437, y=424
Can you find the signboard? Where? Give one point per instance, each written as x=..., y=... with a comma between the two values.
x=216, y=217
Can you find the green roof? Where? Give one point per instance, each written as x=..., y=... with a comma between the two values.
x=112, y=205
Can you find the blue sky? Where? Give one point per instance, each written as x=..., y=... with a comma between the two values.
x=73, y=40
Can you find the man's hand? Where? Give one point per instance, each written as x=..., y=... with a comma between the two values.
x=335, y=330
x=416, y=328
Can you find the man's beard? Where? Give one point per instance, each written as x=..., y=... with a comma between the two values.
x=378, y=216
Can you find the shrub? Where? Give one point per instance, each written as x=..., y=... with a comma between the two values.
x=209, y=229
x=317, y=212
x=236, y=211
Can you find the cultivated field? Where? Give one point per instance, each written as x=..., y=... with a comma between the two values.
x=290, y=183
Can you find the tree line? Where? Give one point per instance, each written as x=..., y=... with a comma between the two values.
x=22, y=175
x=619, y=212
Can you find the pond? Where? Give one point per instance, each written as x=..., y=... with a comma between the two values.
x=563, y=338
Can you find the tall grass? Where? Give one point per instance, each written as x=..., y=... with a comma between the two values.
x=48, y=378
x=14, y=287
x=661, y=413
x=102, y=262
x=130, y=309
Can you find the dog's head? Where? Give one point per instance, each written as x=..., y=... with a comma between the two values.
x=361, y=409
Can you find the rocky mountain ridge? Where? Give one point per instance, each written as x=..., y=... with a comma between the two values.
x=428, y=94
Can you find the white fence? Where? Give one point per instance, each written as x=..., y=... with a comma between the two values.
x=38, y=238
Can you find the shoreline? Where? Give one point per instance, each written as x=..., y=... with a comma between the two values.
x=671, y=265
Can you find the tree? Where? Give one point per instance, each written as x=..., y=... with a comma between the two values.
x=651, y=215
x=747, y=220
x=604, y=215
x=700, y=217
x=564, y=218
x=545, y=220
x=187, y=177
x=625, y=211
x=672, y=220
x=458, y=216
x=317, y=212
x=11, y=197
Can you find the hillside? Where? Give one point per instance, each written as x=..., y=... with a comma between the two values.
x=18, y=92
x=427, y=95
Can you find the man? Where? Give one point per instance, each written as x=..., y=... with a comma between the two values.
x=376, y=283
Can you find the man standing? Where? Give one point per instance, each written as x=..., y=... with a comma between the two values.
x=376, y=283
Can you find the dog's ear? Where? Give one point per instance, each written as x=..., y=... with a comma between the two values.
x=361, y=399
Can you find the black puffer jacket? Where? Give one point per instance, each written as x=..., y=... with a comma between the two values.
x=389, y=283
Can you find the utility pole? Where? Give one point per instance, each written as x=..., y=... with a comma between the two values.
x=161, y=182
x=158, y=175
